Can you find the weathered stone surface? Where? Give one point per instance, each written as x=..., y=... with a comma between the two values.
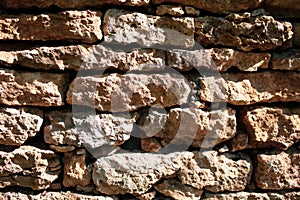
x=17, y=125
x=28, y=167
x=90, y=131
x=68, y=26
x=289, y=60
x=76, y=171
x=147, y=196
x=50, y=196
x=217, y=59
x=189, y=10
x=21, y=4
x=178, y=191
x=84, y=57
x=191, y=126
x=272, y=127
x=150, y=145
x=237, y=30
x=278, y=170
x=31, y=88
x=246, y=89
x=135, y=173
x=216, y=6
x=239, y=142
x=252, y=196
x=170, y=10
x=216, y=173
x=146, y=30
x=284, y=9
x=119, y=93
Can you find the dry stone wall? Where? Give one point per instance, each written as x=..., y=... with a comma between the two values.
x=149, y=99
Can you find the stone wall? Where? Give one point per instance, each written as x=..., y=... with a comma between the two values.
x=150, y=99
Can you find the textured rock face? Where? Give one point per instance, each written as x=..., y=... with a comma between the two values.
x=217, y=59
x=206, y=129
x=119, y=93
x=284, y=9
x=178, y=191
x=135, y=173
x=170, y=10
x=253, y=195
x=289, y=60
x=84, y=57
x=246, y=89
x=51, y=196
x=18, y=4
x=91, y=131
x=272, y=127
x=28, y=167
x=75, y=170
x=17, y=125
x=217, y=173
x=31, y=89
x=68, y=25
x=146, y=30
x=216, y=6
x=237, y=30
x=278, y=171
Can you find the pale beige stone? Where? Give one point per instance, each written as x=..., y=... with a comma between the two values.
x=246, y=89
x=119, y=93
x=278, y=170
x=172, y=10
x=126, y=28
x=237, y=30
x=76, y=171
x=29, y=167
x=272, y=127
x=178, y=191
x=216, y=173
x=216, y=6
x=32, y=88
x=18, y=125
x=217, y=59
x=67, y=25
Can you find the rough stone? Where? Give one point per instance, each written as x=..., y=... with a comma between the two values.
x=239, y=142
x=147, y=196
x=189, y=10
x=17, y=125
x=237, y=30
x=250, y=88
x=252, y=196
x=76, y=171
x=217, y=173
x=190, y=126
x=88, y=130
x=135, y=173
x=272, y=127
x=216, y=6
x=84, y=57
x=31, y=88
x=217, y=59
x=289, y=60
x=178, y=191
x=51, y=196
x=170, y=10
x=150, y=145
x=24, y=4
x=278, y=170
x=28, y=167
x=146, y=30
x=283, y=9
x=68, y=26
x=121, y=93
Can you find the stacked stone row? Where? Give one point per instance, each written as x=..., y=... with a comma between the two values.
x=65, y=55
